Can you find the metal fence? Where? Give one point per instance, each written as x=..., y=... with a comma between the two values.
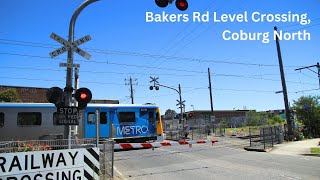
x=39, y=145
x=195, y=130
x=106, y=159
x=106, y=150
x=264, y=137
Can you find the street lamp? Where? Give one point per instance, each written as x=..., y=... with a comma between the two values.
x=192, y=107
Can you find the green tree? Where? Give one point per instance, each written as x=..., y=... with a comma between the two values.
x=276, y=120
x=9, y=95
x=169, y=114
x=307, y=109
x=256, y=118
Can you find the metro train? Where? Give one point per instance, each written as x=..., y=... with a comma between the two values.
x=121, y=122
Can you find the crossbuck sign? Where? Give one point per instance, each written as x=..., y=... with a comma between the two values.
x=68, y=45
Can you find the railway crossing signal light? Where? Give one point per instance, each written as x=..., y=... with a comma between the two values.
x=182, y=5
x=190, y=115
x=56, y=96
x=156, y=87
x=162, y=3
x=83, y=96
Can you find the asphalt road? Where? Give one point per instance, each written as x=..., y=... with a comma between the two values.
x=224, y=160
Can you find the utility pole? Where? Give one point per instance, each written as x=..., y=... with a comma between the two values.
x=210, y=89
x=131, y=87
x=211, y=102
x=284, y=89
x=308, y=67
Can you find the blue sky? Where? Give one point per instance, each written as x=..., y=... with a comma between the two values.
x=245, y=74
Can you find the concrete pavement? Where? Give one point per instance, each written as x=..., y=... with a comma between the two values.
x=295, y=147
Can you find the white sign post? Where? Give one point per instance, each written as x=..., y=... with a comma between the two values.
x=55, y=164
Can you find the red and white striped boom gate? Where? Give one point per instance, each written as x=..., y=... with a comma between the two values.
x=159, y=144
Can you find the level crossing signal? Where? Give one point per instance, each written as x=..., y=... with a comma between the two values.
x=56, y=96
x=83, y=96
x=182, y=5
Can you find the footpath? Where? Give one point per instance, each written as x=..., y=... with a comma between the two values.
x=296, y=147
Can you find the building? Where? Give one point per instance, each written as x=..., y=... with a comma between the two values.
x=28, y=94
x=38, y=95
x=205, y=118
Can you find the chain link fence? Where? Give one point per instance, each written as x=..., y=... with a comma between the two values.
x=193, y=130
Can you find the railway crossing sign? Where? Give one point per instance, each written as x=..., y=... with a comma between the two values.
x=70, y=46
x=69, y=65
x=67, y=116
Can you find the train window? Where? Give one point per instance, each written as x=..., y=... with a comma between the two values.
x=151, y=116
x=91, y=119
x=103, y=118
x=1, y=119
x=143, y=112
x=125, y=117
x=29, y=119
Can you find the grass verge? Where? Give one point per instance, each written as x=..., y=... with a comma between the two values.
x=315, y=150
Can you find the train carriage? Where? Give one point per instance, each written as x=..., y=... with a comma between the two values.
x=121, y=122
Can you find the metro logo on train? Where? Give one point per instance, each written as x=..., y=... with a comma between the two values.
x=132, y=130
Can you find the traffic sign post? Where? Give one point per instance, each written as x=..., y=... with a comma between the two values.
x=67, y=116
x=71, y=46
x=69, y=65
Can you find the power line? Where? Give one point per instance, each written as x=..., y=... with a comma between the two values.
x=141, y=66
x=122, y=73
x=307, y=90
x=198, y=60
x=305, y=27
x=257, y=77
x=147, y=55
x=282, y=27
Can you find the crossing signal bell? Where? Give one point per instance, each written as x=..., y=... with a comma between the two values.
x=56, y=96
x=182, y=5
x=83, y=96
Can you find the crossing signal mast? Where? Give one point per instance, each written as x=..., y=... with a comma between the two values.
x=57, y=96
x=182, y=5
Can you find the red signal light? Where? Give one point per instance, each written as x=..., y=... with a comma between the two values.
x=83, y=96
x=182, y=5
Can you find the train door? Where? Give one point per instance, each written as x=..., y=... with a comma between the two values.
x=104, y=123
x=152, y=121
x=90, y=124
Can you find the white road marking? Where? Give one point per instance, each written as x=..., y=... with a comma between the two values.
x=121, y=175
